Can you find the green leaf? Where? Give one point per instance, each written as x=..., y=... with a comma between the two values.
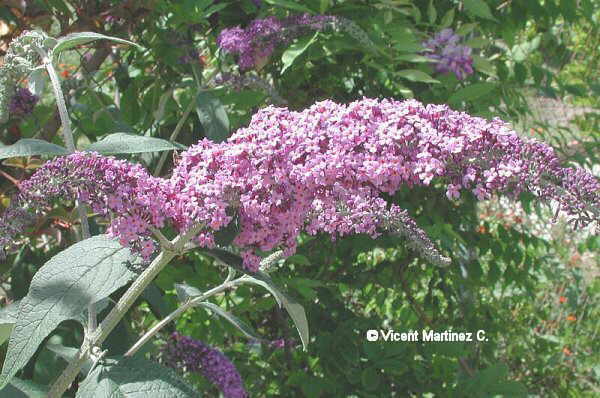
x=235, y=321
x=324, y=6
x=447, y=19
x=292, y=5
x=154, y=296
x=471, y=92
x=76, y=39
x=31, y=147
x=431, y=12
x=415, y=75
x=484, y=65
x=36, y=81
x=232, y=260
x=84, y=273
x=295, y=310
x=479, y=8
x=18, y=388
x=295, y=50
x=466, y=29
x=134, y=377
x=186, y=292
x=213, y=117
x=416, y=58
x=131, y=143
x=477, y=42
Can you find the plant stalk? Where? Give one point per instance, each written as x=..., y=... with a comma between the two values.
x=70, y=144
x=179, y=311
x=118, y=311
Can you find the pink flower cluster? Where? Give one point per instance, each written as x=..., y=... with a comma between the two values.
x=323, y=170
x=118, y=190
x=320, y=170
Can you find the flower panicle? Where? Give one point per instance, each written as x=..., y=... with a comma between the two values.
x=320, y=170
x=255, y=43
x=185, y=353
x=451, y=56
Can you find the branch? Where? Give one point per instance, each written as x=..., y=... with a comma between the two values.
x=118, y=311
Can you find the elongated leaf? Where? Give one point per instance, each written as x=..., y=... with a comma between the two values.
x=431, y=12
x=186, y=292
x=36, y=82
x=130, y=143
x=30, y=147
x=416, y=58
x=471, y=92
x=76, y=39
x=295, y=50
x=232, y=260
x=482, y=64
x=415, y=75
x=447, y=19
x=213, y=117
x=235, y=321
x=295, y=310
x=134, y=377
x=479, y=8
x=154, y=296
x=70, y=281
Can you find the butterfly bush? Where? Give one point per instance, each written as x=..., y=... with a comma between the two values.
x=320, y=170
x=255, y=43
x=450, y=56
x=182, y=352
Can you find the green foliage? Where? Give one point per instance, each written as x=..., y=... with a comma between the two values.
x=212, y=115
x=31, y=147
x=118, y=143
x=133, y=377
x=62, y=289
x=294, y=309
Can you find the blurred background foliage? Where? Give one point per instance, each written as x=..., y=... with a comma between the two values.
x=532, y=285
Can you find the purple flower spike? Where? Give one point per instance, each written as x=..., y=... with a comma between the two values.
x=451, y=56
x=182, y=352
x=22, y=102
x=257, y=42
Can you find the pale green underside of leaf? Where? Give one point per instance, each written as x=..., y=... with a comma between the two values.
x=31, y=147
x=76, y=39
x=134, y=378
x=62, y=289
x=119, y=143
